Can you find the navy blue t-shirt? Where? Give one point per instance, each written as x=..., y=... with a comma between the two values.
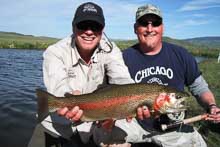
x=173, y=66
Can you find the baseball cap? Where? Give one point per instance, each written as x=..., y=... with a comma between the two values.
x=89, y=11
x=148, y=9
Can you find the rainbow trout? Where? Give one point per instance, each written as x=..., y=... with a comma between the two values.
x=115, y=102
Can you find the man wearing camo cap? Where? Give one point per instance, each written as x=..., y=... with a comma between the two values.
x=153, y=61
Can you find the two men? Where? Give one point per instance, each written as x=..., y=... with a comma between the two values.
x=86, y=60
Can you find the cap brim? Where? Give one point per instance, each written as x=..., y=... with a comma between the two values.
x=91, y=18
x=149, y=14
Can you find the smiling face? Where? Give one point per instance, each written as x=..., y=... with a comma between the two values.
x=149, y=30
x=87, y=35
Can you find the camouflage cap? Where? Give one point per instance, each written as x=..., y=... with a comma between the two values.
x=148, y=9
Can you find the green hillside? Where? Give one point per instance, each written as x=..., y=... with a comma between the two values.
x=21, y=41
x=16, y=40
x=210, y=42
x=195, y=49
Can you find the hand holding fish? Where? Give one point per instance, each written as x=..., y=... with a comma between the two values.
x=114, y=102
x=143, y=112
x=214, y=114
x=74, y=114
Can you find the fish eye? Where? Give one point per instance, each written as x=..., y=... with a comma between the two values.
x=178, y=96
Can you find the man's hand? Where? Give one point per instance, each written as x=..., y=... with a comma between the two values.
x=214, y=115
x=74, y=114
x=142, y=113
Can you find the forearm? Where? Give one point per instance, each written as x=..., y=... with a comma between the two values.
x=207, y=98
x=199, y=88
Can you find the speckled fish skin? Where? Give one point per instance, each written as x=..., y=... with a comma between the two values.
x=114, y=102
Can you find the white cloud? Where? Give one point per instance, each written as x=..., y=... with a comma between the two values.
x=199, y=15
x=200, y=4
x=191, y=22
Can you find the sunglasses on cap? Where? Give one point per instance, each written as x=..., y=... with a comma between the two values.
x=89, y=25
x=154, y=23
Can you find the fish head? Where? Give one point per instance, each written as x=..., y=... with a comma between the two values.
x=170, y=102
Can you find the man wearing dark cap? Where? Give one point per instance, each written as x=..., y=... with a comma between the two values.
x=78, y=64
x=154, y=61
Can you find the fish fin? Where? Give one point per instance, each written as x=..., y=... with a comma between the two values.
x=108, y=124
x=42, y=103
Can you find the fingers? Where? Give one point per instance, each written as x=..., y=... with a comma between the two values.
x=214, y=119
x=214, y=115
x=140, y=113
x=120, y=145
x=76, y=92
x=62, y=111
x=129, y=119
x=77, y=116
x=74, y=114
x=143, y=112
x=146, y=112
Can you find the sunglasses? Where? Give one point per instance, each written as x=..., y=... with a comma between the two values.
x=89, y=25
x=154, y=23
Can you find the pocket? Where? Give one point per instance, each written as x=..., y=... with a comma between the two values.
x=97, y=73
x=72, y=73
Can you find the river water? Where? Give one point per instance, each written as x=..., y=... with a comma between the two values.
x=20, y=75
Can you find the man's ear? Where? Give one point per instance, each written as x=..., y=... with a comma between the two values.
x=135, y=28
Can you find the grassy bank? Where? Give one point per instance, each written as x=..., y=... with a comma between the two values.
x=20, y=41
x=211, y=72
x=211, y=132
x=196, y=50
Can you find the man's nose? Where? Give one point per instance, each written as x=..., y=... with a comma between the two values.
x=149, y=27
x=89, y=31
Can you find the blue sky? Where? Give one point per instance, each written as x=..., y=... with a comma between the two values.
x=182, y=18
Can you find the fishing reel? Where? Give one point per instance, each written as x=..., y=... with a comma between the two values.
x=176, y=116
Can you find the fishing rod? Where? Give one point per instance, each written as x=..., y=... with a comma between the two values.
x=164, y=127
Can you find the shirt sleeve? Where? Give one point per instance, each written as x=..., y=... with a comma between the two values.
x=199, y=86
x=191, y=69
x=54, y=72
x=117, y=71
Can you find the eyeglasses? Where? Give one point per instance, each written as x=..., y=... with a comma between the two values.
x=89, y=25
x=154, y=23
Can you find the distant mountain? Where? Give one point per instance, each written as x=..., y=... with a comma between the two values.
x=211, y=42
x=17, y=40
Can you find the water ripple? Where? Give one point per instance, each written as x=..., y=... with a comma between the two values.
x=20, y=75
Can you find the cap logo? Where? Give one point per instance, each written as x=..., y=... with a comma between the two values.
x=89, y=8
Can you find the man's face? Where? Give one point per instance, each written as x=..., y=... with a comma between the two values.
x=149, y=30
x=87, y=35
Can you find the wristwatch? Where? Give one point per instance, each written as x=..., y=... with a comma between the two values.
x=211, y=106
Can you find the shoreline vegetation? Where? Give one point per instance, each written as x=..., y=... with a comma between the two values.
x=13, y=40
x=210, y=69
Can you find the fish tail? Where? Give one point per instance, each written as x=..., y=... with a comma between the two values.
x=42, y=102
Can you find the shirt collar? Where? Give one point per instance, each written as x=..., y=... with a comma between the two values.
x=76, y=58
